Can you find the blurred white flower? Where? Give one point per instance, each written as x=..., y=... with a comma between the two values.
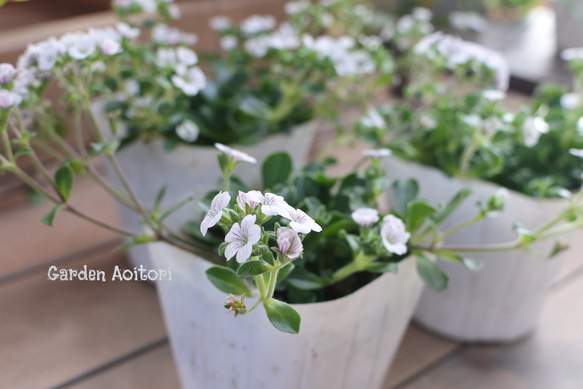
x=128, y=31
x=220, y=23
x=572, y=54
x=9, y=99
x=174, y=11
x=373, y=119
x=422, y=14
x=165, y=57
x=235, y=154
x=393, y=235
x=365, y=217
x=461, y=20
x=493, y=94
x=570, y=100
x=241, y=239
x=532, y=130
x=220, y=201
x=188, y=131
x=229, y=42
x=294, y=7
x=186, y=56
x=7, y=73
x=491, y=126
x=576, y=152
x=78, y=45
x=167, y=35
x=257, y=23
x=192, y=82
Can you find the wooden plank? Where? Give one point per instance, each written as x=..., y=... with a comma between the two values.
x=152, y=370
x=551, y=358
x=53, y=331
x=419, y=350
x=26, y=242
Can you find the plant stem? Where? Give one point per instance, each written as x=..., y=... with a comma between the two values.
x=458, y=227
x=467, y=156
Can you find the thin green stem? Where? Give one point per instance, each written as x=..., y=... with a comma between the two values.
x=458, y=227
x=467, y=156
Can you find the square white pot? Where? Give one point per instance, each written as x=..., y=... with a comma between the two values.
x=342, y=344
x=502, y=301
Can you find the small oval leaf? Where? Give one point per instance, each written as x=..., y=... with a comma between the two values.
x=253, y=268
x=226, y=280
x=282, y=316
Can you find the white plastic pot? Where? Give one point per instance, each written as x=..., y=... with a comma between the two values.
x=190, y=171
x=342, y=344
x=502, y=301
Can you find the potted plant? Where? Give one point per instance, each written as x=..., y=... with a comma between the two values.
x=455, y=128
x=262, y=94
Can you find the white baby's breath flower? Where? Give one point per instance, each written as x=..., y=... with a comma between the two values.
x=9, y=99
x=491, y=126
x=570, y=100
x=167, y=35
x=257, y=23
x=43, y=54
x=370, y=42
x=188, y=131
x=229, y=42
x=109, y=46
x=7, y=73
x=365, y=217
x=241, y=239
x=405, y=24
x=300, y=221
x=289, y=243
x=174, y=11
x=235, y=154
x=532, y=130
x=79, y=45
x=394, y=236
x=186, y=56
x=576, y=152
x=258, y=46
x=380, y=153
x=190, y=83
x=373, y=119
x=128, y=31
x=220, y=23
x=422, y=14
x=220, y=201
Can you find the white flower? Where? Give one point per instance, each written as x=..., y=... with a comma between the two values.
x=295, y=7
x=271, y=204
x=228, y=42
x=491, y=125
x=98, y=67
x=289, y=243
x=220, y=23
x=132, y=86
x=258, y=46
x=186, y=56
x=109, y=46
x=164, y=34
x=241, y=239
x=213, y=216
x=79, y=45
x=576, y=152
x=570, y=100
x=532, y=130
x=493, y=94
x=427, y=122
x=373, y=119
x=9, y=99
x=393, y=235
x=327, y=19
x=43, y=54
x=370, y=42
x=365, y=217
x=190, y=83
x=299, y=221
x=572, y=54
x=165, y=57
x=244, y=199
x=380, y=153
x=127, y=31
x=7, y=73
x=188, y=131
x=257, y=23
x=405, y=24
x=422, y=14
x=235, y=154
x=174, y=11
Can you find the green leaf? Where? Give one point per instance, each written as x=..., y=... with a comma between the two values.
x=136, y=240
x=276, y=169
x=405, y=191
x=451, y=205
x=303, y=279
x=284, y=272
x=558, y=248
x=253, y=268
x=470, y=263
x=176, y=207
x=433, y=276
x=64, y=181
x=252, y=106
x=282, y=316
x=159, y=198
x=49, y=217
x=418, y=212
x=22, y=151
x=383, y=267
x=226, y=280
